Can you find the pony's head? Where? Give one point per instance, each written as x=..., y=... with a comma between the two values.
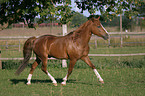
x=98, y=29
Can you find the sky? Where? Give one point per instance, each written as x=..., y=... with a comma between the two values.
x=86, y=13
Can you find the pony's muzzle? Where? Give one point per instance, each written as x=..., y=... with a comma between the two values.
x=106, y=36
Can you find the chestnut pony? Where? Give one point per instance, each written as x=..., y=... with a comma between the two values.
x=73, y=46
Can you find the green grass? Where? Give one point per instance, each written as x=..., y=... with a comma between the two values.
x=82, y=82
x=123, y=76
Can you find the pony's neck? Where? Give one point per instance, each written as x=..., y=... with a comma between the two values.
x=83, y=36
x=83, y=33
x=86, y=34
x=83, y=26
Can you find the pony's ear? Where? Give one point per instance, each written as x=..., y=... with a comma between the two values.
x=98, y=18
x=93, y=19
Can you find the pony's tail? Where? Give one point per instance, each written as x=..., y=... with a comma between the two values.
x=27, y=52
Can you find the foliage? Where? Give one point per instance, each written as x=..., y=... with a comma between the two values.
x=142, y=15
x=126, y=22
x=10, y=64
x=115, y=21
x=110, y=8
x=141, y=9
x=13, y=11
x=78, y=19
x=65, y=13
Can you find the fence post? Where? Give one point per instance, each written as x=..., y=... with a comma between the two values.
x=64, y=30
x=109, y=44
x=6, y=44
x=0, y=60
x=121, y=39
x=19, y=46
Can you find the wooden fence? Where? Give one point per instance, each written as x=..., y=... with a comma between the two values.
x=119, y=34
x=111, y=33
x=135, y=54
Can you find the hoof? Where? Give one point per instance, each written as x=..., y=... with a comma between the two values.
x=55, y=84
x=102, y=82
x=63, y=84
x=28, y=83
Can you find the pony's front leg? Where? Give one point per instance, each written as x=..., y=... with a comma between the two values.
x=98, y=76
x=52, y=79
x=71, y=66
x=87, y=60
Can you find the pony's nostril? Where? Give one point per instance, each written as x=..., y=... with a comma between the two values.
x=106, y=36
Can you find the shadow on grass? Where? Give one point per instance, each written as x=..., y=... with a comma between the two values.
x=16, y=81
x=59, y=80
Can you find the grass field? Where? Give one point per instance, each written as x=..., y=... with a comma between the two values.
x=123, y=76
x=82, y=82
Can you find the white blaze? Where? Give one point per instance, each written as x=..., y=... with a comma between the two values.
x=104, y=29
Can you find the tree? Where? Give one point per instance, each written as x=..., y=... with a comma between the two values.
x=142, y=9
x=110, y=8
x=142, y=15
x=13, y=11
x=78, y=19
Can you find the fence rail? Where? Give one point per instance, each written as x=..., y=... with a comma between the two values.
x=126, y=33
x=23, y=58
x=111, y=33
x=95, y=55
x=135, y=54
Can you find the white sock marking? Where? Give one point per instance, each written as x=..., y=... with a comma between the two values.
x=64, y=80
x=51, y=77
x=98, y=75
x=29, y=79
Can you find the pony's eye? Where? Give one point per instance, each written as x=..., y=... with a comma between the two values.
x=99, y=26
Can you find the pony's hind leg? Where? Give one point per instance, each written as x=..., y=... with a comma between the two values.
x=34, y=65
x=44, y=69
